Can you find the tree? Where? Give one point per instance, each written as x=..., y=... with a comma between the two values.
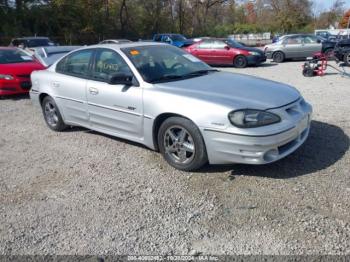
x=344, y=23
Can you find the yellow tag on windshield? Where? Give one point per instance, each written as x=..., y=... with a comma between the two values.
x=134, y=52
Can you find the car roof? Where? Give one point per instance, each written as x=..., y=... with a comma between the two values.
x=168, y=34
x=125, y=45
x=52, y=49
x=298, y=35
x=8, y=48
x=117, y=40
x=30, y=38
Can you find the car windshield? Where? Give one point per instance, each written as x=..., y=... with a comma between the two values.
x=234, y=43
x=159, y=63
x=14, y=56
x=39, y=42
x=178, y=38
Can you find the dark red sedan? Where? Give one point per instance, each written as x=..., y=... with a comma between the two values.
x=15, y=68
x=226, y=52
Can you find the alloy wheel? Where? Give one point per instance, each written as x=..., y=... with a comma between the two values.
x=51, y=114
x=179, y=145
x=348, y=59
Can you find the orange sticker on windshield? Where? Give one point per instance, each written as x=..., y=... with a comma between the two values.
x=134, y=52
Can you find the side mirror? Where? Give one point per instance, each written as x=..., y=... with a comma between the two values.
x=227, y=47
x=319, y=41
x=120, y=79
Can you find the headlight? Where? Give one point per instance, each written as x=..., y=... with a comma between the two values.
x=249, y=118
x=254, y=53
x=6, y=77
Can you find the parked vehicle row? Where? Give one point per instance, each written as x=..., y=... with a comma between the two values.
x=226, y=52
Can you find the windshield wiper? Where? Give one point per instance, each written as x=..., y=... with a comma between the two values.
x=178, y=77
x=201, y=72
x=166, y=77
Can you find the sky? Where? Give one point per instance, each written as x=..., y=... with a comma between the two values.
x=321, y=5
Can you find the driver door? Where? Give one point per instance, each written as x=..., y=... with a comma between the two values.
x=115, y=109
x=311, y=46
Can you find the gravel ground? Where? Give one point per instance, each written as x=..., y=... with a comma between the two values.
x=81, y=192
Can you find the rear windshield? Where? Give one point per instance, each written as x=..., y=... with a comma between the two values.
x=14, y=56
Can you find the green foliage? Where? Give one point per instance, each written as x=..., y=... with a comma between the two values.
x=89, y=21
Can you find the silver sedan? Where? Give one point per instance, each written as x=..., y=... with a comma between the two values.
x=160, y=96
x=293, y=46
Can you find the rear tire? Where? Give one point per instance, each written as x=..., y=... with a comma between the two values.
x=52, y=115
x=329, y=53
x=347, y=58
x=181, y=144
x=240, y=61
x=278, y=57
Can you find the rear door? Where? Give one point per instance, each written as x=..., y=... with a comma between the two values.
x=204, y=51
x=293, y=47
x=69, y=86
x=115, y=109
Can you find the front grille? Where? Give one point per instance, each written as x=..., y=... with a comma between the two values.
x=8, y=88
x=23, y=76
x=26, y=85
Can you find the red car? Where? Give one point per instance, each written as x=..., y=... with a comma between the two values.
x=15, y=68
x=226, y=52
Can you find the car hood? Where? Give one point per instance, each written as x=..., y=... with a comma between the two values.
x=20, y=68
x=252, y=49
x=234, y=90
x=271, y=46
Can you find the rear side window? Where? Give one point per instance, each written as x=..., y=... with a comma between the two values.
x=219, y=44
x=206, y=45
x=76, y=64
x=294, y=40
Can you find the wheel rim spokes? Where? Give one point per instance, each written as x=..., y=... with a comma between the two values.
x=179, y=144
x=51, y=114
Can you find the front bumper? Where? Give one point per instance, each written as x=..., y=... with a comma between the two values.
x=256, y=59
x=16, y=86
x=228, y=148
x=268, y=54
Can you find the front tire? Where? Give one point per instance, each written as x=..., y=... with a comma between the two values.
x=329, y=53
x=181, y=144
x=278, y=57
x=240, y=61
x=52, y=115
x=347, y=58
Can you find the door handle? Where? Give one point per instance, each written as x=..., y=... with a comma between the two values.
x=56, y=84
x=93, y=91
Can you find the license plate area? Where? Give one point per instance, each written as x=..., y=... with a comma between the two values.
x=304, y=123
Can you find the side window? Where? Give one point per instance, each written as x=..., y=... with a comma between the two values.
x=76, y=64
x=310, y=40
x=219, y=44
x=107, y=63
x=294, y=40
x=158, y=38
x=15, y=42
x=206, y=45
